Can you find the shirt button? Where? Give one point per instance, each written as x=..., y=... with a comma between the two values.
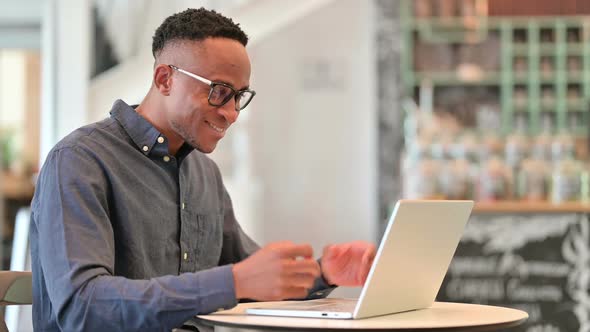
x=145, y=148
x=160, y=139
x=185, y=256
x=166, y=158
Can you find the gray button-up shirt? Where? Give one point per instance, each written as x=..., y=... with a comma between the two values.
x=125, y=237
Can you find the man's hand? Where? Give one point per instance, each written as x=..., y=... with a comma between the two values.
x=279, y=271
x=348, y=264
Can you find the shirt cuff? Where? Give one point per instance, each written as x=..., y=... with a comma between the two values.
x=218, y=285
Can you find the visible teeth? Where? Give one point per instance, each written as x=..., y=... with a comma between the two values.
x=220, y=130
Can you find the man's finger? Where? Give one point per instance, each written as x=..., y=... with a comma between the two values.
x=369, y=256
x=301, y=280
x=296, y=250
x=303, y=266
x=295, y=293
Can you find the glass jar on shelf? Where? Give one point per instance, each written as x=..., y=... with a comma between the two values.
x=516, y=148
x=563, y=147
x=491, y=145
x=531, y=182
x=456, y=179
x=494, y=181
x=585, y=176
x=466, y=147
x=422, y=181
x=541, y=145
x=417, y=150
x=442, y=147
x=420, y=171
x=541, y=148
x=567, y=178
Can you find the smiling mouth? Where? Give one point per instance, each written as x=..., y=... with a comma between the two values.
x=214, y=127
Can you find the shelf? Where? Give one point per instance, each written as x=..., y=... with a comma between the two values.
x=548, y=49
x=574, y=77
x=575, y=49
x=450, y=23
x=530, y=207
x=454, y=79
x=532, y=53
x=520, y=49
x=577, y=106
x=495, y=22
x=548, y=108
x=524, y=78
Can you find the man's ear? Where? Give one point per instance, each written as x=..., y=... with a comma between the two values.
x=163, y=79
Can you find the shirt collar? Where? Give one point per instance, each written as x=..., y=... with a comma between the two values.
x=143, y=133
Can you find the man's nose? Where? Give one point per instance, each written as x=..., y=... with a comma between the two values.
x=228, y=111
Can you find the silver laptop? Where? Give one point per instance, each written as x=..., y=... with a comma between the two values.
x=411, y=262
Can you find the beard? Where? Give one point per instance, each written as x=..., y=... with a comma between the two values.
x=189, y=138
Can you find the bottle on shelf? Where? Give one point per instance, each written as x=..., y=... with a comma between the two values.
x=541, y=147
x=563, y=147
x=517, y=144
x=531, y=181
x=458, y=174
x=455, y=180
x=566, y=181
x=569, y=177
x=421, y=172
x=491, y=145
x=494, y=180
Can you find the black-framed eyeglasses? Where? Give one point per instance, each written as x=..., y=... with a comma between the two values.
x=221, y=93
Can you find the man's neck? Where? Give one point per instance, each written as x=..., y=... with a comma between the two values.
x=153, y=114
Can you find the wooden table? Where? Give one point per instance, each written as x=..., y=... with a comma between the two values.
x=442, y=316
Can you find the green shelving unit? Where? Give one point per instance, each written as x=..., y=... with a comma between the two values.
x=544, y=61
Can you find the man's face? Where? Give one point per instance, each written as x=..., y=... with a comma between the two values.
x=189, y=113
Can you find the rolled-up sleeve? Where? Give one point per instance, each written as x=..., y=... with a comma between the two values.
x=76, y=252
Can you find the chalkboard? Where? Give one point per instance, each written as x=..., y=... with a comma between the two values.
x=536, y=263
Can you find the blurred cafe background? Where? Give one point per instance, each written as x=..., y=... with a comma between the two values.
x=359, y=103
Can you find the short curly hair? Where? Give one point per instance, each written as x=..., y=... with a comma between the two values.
x=196, y=24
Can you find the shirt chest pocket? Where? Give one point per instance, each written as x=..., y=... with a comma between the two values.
x=201, y=238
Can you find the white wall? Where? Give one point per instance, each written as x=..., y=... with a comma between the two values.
x=65, y=47
x=313, y=128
